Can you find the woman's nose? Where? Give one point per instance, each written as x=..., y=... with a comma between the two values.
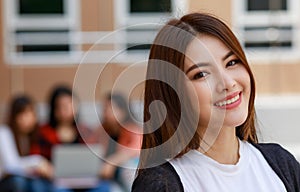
x=225, y=82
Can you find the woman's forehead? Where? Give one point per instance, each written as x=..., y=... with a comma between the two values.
x=205, y=49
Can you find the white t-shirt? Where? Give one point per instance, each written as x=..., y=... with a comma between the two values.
x=10, y=160
x=252, y=173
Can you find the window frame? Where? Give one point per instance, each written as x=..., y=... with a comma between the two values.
x=14, y=21
x=242, y=18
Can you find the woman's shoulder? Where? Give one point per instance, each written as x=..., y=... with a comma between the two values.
x=274, y=151
x=5, y=133
x=159, y=178
x=4, y=129
x=46, y=132
x=277, y=156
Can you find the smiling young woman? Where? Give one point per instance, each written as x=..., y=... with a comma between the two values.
x=204, y=137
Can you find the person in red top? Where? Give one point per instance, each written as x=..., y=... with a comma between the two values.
x=61, y=127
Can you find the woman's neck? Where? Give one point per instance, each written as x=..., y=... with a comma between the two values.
x=225, y=148
x=66, y=133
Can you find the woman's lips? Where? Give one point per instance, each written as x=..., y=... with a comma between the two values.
x=230, y=101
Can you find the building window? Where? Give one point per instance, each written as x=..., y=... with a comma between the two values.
x=266, y=5
x=142, y=19
x=268, y=37
x=31, y=7
x=38, y=29
x=150, y=6
x=267, y=25
x=47, y=40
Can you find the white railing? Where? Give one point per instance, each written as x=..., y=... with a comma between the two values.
x=106, y=46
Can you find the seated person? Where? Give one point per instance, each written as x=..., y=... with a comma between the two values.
x=22, y=172
x=62, y=126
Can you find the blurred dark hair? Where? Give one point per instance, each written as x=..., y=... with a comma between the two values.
x=18, y=105
x=57, y=92
x=119, y=100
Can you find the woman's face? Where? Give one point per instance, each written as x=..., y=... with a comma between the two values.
x=220, y=80
x=64, y=109
x=26, y=120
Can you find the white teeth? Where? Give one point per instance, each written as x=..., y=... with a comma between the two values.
x=229, y=101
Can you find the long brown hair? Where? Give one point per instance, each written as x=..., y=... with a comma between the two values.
x=169, y=47
x=19, y=104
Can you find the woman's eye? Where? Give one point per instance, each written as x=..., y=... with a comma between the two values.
x=200, y=75
x=233, y=62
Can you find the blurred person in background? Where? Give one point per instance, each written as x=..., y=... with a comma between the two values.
x=19, y=171
x=122, y=147
x=62, y=126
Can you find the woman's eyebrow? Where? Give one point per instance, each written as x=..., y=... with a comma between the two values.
x=228, y=55
x=196, y=66
x=206, y=64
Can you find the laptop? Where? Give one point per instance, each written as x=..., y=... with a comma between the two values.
x=77, y=165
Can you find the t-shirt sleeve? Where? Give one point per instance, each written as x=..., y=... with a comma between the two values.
x=9, y=157
x=162, y=178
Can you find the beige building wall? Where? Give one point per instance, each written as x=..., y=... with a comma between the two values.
x=98, y=15
x=277, y=78
x=4, y=74
x=221, y=9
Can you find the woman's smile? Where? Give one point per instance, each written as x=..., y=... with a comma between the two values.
x=230, y=102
